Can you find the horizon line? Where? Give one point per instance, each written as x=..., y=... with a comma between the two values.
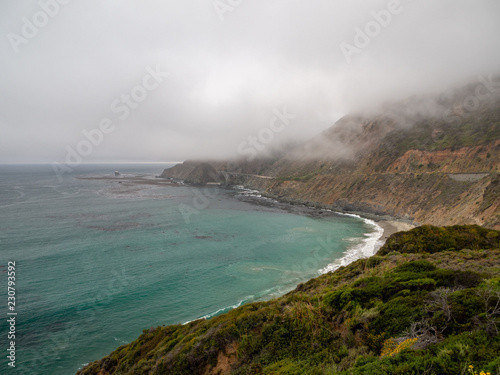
x=94, y=163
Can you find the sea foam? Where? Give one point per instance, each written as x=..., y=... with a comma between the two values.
x=366, y=248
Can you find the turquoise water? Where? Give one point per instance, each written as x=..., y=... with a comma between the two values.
x=98, y=261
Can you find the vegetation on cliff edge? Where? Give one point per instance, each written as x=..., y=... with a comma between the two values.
x=428, y=302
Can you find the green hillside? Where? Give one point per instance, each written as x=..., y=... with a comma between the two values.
x=428, y=303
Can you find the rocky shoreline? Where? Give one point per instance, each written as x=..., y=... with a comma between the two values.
x=388, y=223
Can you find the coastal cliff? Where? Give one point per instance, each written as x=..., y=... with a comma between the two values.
x=427, y=303
x=430, y=168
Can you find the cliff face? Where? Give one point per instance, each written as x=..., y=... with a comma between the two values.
x=196, y=173
x=432, y=172
x=420, y=166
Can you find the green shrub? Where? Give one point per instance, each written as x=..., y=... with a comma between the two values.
x=429, y=239
x=374, y=261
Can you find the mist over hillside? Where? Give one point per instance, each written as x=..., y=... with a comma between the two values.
x=177, y=80
x=428, y=159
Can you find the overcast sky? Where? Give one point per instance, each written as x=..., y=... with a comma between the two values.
x=232, y=65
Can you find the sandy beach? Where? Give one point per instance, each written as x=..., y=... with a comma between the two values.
x=392, y=226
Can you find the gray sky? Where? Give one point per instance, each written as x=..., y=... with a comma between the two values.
x=232, y=65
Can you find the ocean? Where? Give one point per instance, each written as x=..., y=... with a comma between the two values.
x=98, y=260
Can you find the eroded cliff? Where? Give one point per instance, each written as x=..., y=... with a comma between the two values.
x=440, y=168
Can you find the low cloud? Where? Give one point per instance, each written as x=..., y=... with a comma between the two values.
x=226, y=74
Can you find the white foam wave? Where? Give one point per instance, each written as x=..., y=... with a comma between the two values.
x=226, y=309
x=222, y=310
x=253, y=194
x=273, y=292
x=366, y=248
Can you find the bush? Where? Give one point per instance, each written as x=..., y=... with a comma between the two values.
x=374, y=261
x=429, y=239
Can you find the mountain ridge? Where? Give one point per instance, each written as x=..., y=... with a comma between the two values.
x=431, y=170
